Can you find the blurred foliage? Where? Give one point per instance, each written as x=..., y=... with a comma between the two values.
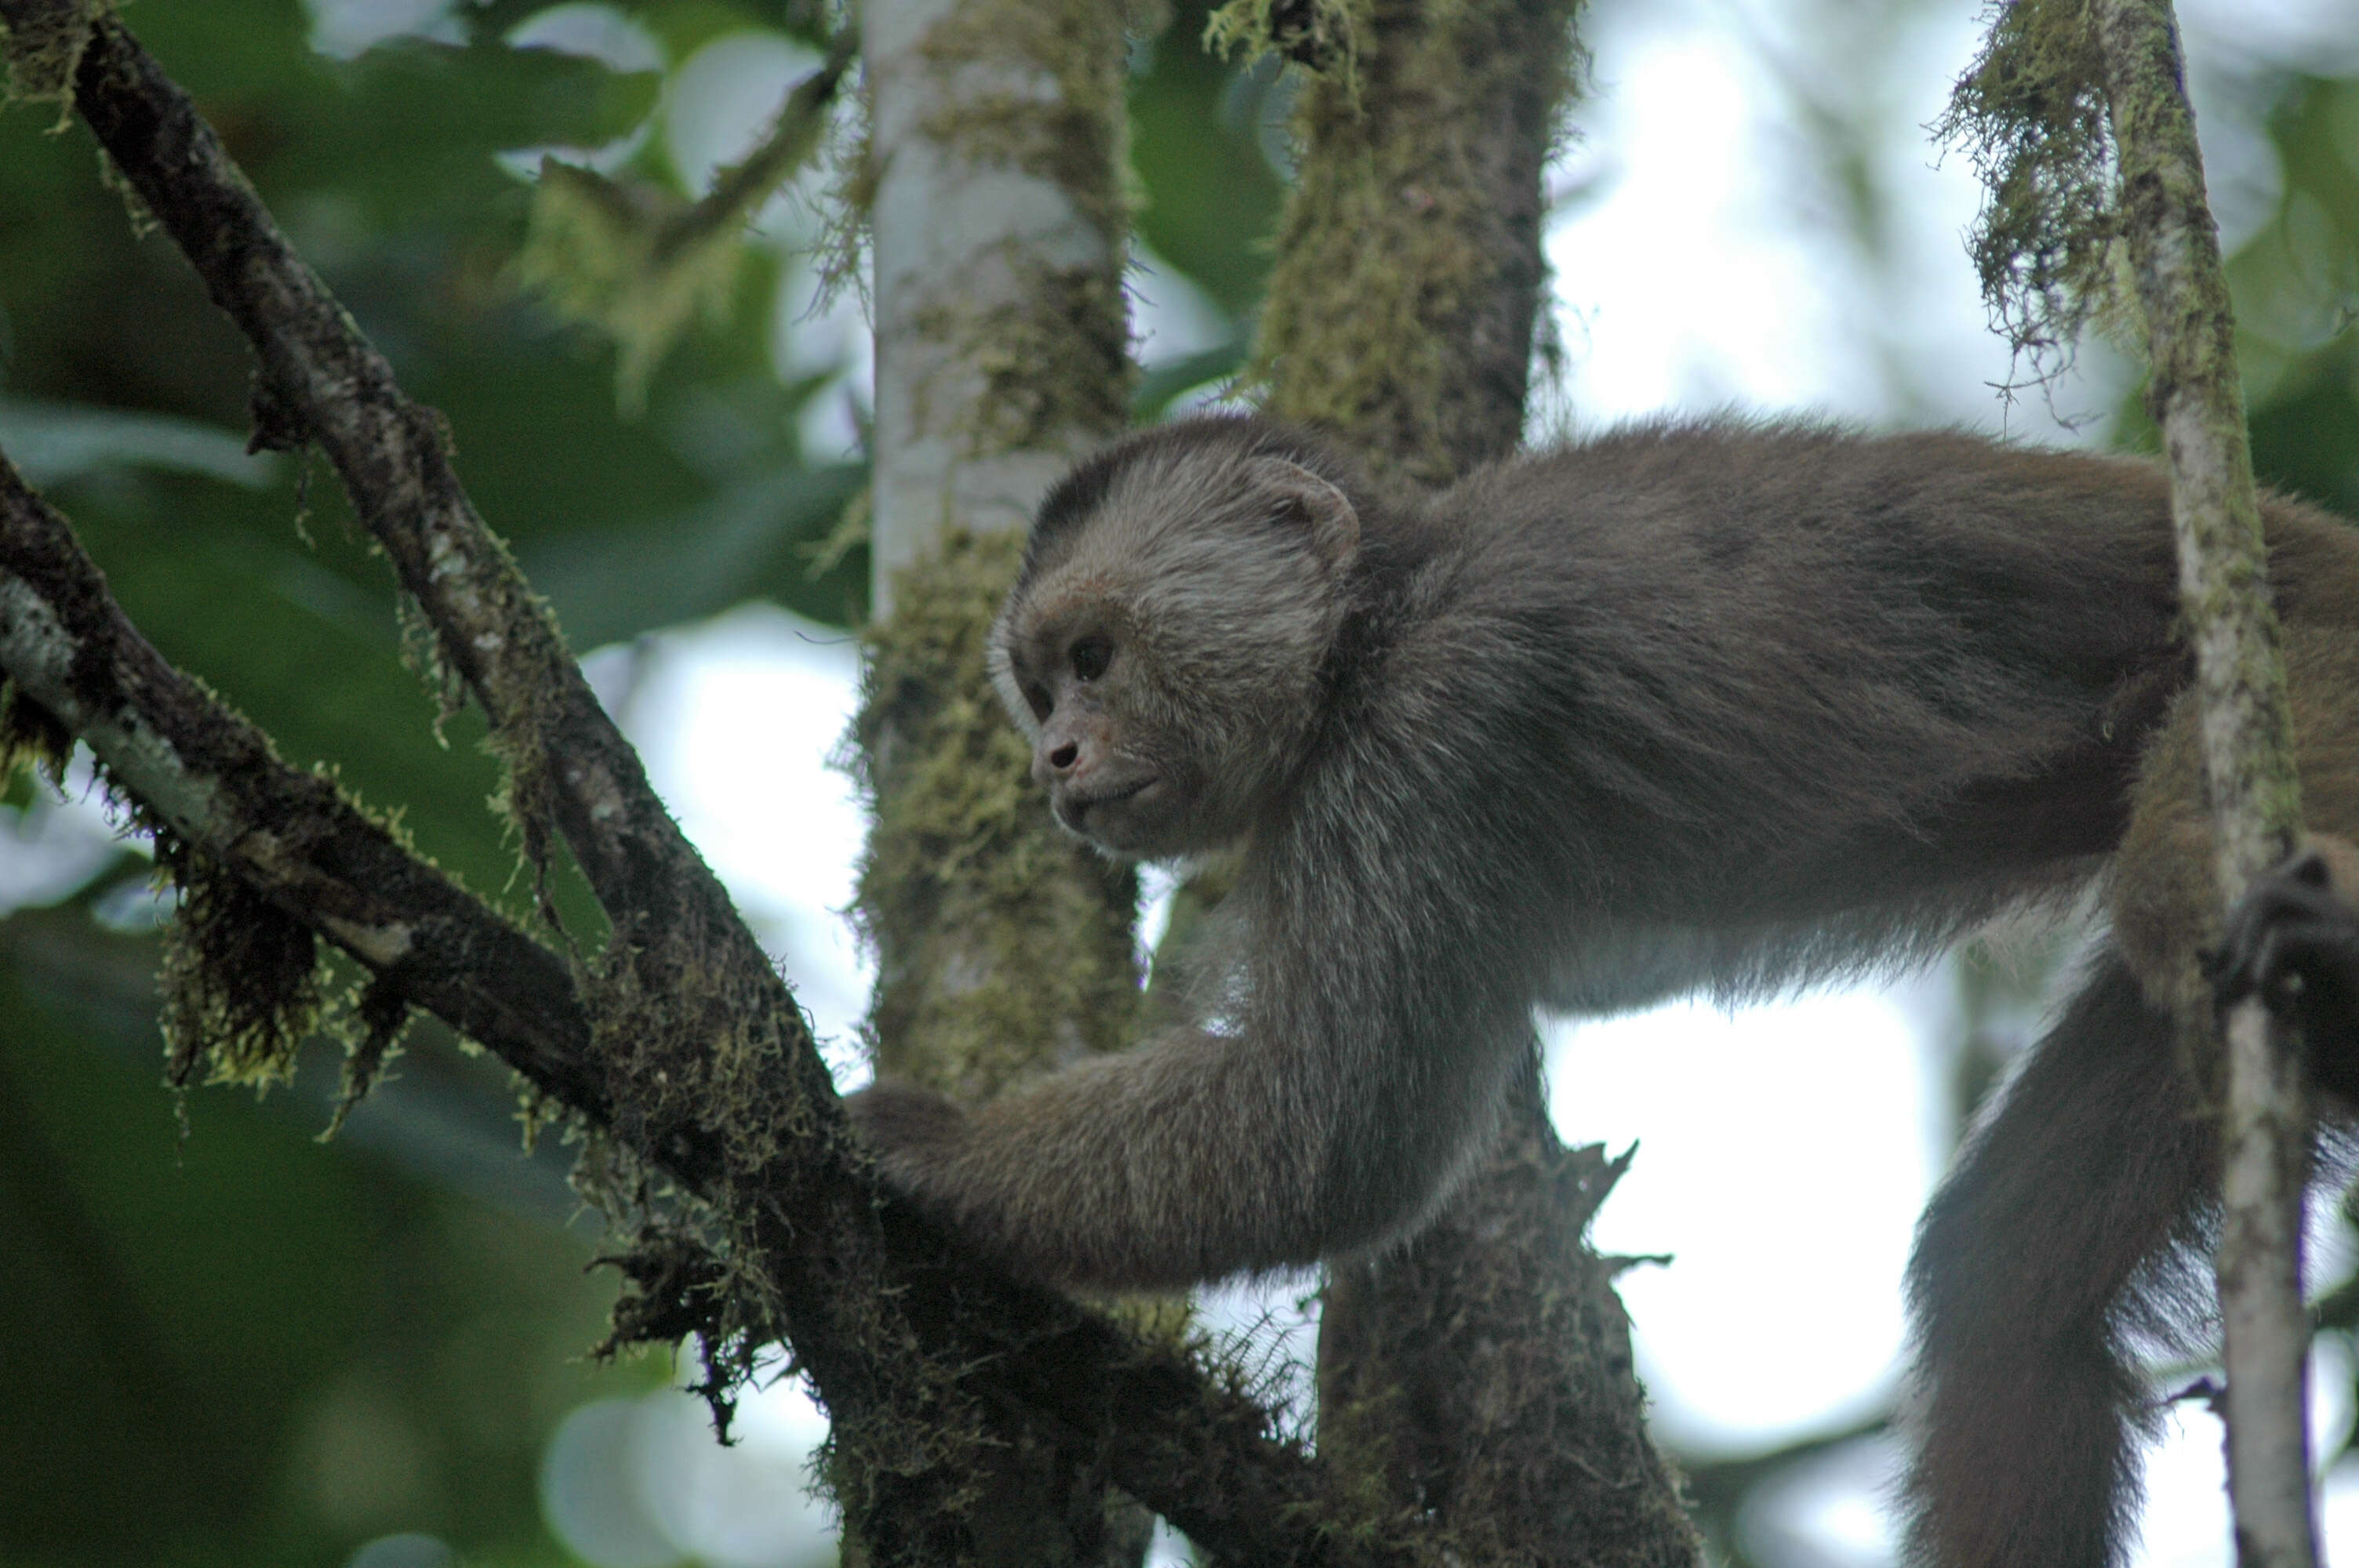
x=227, y=1344
x=2295, y=284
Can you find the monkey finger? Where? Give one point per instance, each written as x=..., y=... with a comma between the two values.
x=2288, y=917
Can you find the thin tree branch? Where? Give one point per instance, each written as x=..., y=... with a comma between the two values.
x=321, y=380
x=291, y=836
x=2197, y=401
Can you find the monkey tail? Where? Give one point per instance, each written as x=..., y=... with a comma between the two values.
x=2069, y=1234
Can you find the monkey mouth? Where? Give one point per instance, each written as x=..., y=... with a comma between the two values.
x=1073, y=807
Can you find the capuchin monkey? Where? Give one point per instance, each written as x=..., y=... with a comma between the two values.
x=1716, y=706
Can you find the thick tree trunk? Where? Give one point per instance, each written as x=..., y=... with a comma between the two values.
x=1484, y=1372
x=1002, y=947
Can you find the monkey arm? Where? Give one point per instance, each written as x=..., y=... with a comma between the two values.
x=2295, y=938
x=1197, y=1155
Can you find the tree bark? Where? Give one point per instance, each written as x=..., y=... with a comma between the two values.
x=681, y=1047
x=1003, y=947
x=1483, y=1372
x=2197, y=402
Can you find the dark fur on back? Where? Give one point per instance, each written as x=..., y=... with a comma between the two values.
x=1718, y=706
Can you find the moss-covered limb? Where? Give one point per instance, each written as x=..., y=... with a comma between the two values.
x=324, y=382
x=289, y=836
x=1199, y=1449
x=1409, y=270
x=2197, y=401
x=2196, y=397
x=997, y=214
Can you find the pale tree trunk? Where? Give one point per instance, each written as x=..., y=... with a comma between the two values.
x=2197, y=402
x=1003, y=948
x=1484, y=1372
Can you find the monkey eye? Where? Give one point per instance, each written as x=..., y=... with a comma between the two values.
x=1092, y=655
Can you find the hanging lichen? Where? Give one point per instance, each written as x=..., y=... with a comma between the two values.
x=43, y=52
x=240, y=977
x=2030, y=112
x=1320, y=34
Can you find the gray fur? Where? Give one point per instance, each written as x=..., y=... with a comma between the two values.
x=1721, y=707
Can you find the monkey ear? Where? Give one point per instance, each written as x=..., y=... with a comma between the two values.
x=1334, y=526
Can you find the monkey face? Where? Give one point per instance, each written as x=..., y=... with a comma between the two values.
x=1106, y=746
x=1164, y=648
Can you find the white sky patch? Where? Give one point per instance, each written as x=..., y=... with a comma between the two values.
x=723, y=100
x=1170, y=318
x=1782, y=1160
x=344, y=29
x=1686, y=285
x=592, y=31
x=738, y=718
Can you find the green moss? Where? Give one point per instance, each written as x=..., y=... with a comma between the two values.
x=1072, y=135
x=240, y=977
x=2032, y=115
x=43, y=53
x=1322, y=35
x=1054, y=361
x=1400, y=308
x=1056, y=358
x=1007, y=945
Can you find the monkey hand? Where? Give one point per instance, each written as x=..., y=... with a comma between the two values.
x=2297, y=929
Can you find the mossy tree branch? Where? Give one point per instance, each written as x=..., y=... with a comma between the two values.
x=293, y=837
x=2197, y=400
x=913, y=1345
x=1408, y=277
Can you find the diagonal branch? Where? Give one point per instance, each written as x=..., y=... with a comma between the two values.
x=321, y=380
x=289, y=835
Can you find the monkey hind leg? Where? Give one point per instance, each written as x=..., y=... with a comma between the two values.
x=2063, y=1238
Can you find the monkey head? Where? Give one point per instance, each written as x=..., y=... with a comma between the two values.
x=1166, y=644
